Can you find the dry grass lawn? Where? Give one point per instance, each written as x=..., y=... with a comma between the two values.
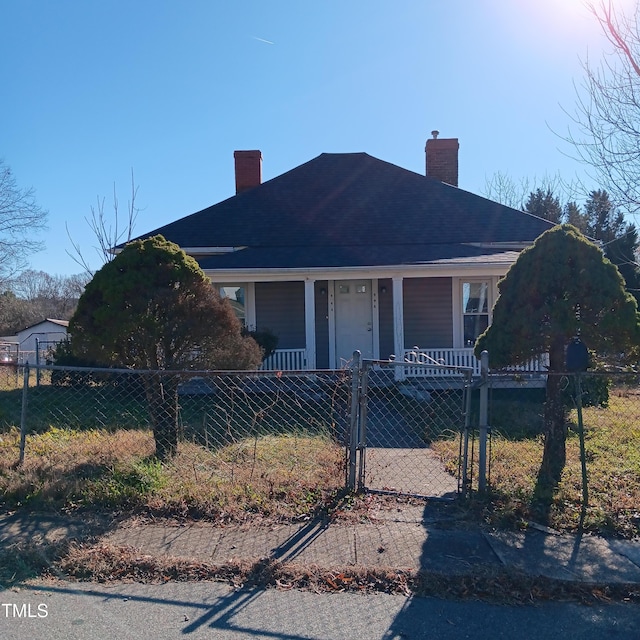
x=272, y=476
x=612, y=437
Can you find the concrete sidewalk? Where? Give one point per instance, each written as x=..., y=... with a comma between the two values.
x=410, y=537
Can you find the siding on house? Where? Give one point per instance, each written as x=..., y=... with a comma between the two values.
x=428, y=312
x=280, y=308
x=385, y=316
x=322, y=324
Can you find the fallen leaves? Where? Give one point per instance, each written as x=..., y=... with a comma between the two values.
x=103, y=562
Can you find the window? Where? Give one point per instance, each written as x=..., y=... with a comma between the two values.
x=236, y=295
x=475, y=310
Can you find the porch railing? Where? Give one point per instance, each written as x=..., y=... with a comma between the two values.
x=296, y=360
x=286, y=360
x=458, y=358
x=448, y=357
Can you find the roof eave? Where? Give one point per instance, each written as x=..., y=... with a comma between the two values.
x=452, y=268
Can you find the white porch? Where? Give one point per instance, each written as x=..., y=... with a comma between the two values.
x=321, y=319
x=296, y=360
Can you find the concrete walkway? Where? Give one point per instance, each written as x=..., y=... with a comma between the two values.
x=409, y=471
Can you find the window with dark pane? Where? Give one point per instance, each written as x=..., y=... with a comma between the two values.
x=475, y=310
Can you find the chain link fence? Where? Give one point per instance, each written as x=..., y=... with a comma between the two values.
x=599, y=450
x=252, y=437
x=609, y=402
x=261, y=438
x=367, y=427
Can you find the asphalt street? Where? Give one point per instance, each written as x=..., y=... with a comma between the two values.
x=73, y=611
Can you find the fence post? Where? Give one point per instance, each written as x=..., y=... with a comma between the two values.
x=362, y=432
x=37, y=362
x=23, y=413
x=464, y=443
x=483, y=421
x=353, y=434
x=583, y=453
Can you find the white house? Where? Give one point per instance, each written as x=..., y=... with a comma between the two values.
x=43, y=335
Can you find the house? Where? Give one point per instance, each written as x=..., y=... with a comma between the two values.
x=40, y=337
x=350, y=252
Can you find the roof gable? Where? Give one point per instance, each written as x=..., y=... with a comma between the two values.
x=45, y=322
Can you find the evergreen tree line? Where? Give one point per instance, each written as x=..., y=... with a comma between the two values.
x=599, y=220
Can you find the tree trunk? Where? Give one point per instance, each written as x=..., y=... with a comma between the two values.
x=555, y=423
x=162, y=402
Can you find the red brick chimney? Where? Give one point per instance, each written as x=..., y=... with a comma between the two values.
x=442, y=158
x=248, y=169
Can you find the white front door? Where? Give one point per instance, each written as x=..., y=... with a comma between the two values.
x=354, y=325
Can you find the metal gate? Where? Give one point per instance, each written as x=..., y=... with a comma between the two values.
x=399, y=411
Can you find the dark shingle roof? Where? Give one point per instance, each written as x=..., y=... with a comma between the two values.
x=350, y=209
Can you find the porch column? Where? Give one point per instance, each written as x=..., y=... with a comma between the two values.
x=250, y=306
x=310, y=322
x=398, y=325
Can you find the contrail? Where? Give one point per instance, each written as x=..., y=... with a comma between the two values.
x=262, y=40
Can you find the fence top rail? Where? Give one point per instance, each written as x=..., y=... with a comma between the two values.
x=188, y=372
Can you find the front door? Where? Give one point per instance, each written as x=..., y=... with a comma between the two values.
x=354, y=325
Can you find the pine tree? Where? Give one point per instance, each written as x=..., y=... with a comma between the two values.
x=544, y=205
x=560, y=287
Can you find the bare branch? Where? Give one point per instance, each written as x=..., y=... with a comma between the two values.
x=513, y=193
x=20, y=217
x=76, y=255
x=606, y=122
x=616, y=29
x=106, y=230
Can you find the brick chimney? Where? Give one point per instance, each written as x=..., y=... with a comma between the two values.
x=248, y=169
x=442, y=158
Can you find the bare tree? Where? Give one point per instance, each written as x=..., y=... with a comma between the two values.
x=20, y=218
x=15, y=313
x=108, y=230
x=504, y=189
x=49, y=296
x=33, y=296
x=607, y=116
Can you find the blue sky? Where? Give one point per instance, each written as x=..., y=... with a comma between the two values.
x=93, y=89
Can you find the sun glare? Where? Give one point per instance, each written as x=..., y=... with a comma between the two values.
x=577, y=15
x=558, y=27
x=568, y=17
